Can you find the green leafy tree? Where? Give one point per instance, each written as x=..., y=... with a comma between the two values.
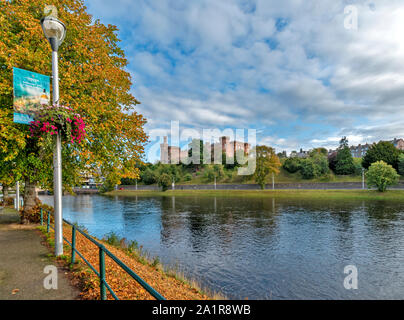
x=292, y=164
x=344, y=162
x=173, y=170
x=214, y=171
x=401, y=164
x=382, y=151
x=314, y=166
x=343, y=143
x=321, y=161
x=321, y=151
x=164, y=181
x=381, y=175
x=308, y=169
x=266, y=162
x=149, y=176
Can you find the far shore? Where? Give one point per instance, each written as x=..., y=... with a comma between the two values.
x=390, y=195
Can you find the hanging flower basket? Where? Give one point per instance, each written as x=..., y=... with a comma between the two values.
x=52, y=120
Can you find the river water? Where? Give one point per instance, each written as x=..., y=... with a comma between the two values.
x=260, y=248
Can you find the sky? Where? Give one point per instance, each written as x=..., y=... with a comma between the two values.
x=301, y=73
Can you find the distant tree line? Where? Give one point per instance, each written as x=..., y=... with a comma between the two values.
x=318, y=164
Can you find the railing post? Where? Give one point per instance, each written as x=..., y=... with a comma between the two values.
x=102, y=274
x=41, y=217
x=47, y=227
x=73, y=244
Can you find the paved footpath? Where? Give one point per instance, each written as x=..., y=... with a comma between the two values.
x=22, y=262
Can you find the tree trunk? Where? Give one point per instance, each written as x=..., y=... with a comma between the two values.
x=5, y=191
x=30, y=196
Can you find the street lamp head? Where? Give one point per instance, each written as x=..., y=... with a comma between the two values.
x=54, y=30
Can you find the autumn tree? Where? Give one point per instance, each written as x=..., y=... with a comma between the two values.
x=12, y=140
x=266, y=162
x=93, y=82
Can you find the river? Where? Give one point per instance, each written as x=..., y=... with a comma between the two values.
x=260, y=248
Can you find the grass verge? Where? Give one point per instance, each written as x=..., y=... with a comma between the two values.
x=390, y=195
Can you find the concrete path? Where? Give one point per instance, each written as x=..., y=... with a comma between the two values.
x=22, y=262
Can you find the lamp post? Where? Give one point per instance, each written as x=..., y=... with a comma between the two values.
x=55, y=32
x=363, y=178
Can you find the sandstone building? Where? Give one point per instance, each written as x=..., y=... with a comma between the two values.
x=174, y=155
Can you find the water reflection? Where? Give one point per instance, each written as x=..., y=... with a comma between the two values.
x=261, y=248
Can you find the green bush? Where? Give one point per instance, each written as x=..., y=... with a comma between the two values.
x=112, y=239
x=314, y=167
x=209, y=174
x=213, y=171
x=148, y=176
x=164, y=181
x=292, y=165
x=321, y=163
x=188, y=177
x=308, y=169
x=381, y=175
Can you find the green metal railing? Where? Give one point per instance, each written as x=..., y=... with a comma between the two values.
x=102, y=251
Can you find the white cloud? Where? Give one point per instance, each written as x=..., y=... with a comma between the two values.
x=213, y=63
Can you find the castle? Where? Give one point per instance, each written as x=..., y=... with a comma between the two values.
x=171, y=154
x=174, y=155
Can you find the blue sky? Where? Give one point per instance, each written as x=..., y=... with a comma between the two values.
x=289, y=69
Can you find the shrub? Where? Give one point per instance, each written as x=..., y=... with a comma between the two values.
x=213, y=171
x=292, y=165
x=314, y=167
x=209, y=174
x=112, y=239
x=188, y=177
x=381, y=175
x=308, y=169
x=321, y=163
x=7, y=202
x=164, y=181
x=34, y=215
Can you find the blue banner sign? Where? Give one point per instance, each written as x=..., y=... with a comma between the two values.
x=31, y=92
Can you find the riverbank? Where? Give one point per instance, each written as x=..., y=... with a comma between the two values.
x=390, y=195
x=171, y=284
